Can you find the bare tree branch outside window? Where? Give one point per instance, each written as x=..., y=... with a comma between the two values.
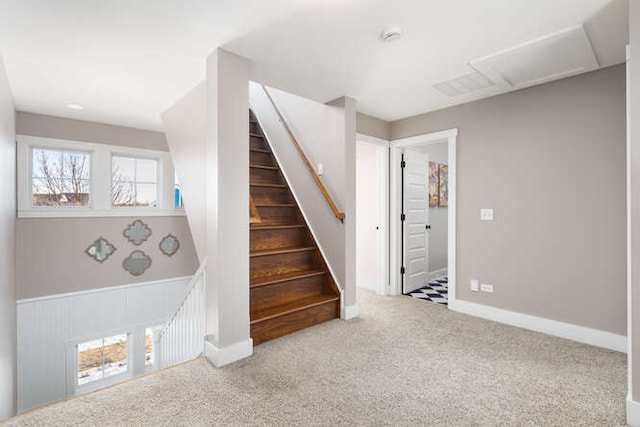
x=60, y=178
x=122, y=191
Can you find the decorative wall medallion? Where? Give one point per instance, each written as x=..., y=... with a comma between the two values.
x=169, y=245
x=137, y=263
x=137, y=232
x=100, y=250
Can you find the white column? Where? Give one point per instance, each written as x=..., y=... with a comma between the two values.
x=349, y=306
x=227, y=208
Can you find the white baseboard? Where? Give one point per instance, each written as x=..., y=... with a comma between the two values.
x=229, y=354
x=349, y=312
x=633, y=412
x=569, y=331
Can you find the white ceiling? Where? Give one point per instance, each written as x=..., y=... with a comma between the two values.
x=128, y=61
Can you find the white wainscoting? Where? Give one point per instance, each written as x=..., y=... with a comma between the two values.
x=49, y=326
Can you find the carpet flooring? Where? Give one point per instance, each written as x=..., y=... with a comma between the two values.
x=402, y=362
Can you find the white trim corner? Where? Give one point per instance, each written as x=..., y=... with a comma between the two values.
x=220, y=357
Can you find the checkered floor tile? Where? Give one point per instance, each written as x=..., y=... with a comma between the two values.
x=435, y=291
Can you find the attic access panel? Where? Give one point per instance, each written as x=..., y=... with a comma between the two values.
x=562, y=54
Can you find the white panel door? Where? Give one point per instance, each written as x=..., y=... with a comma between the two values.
x=416, y=210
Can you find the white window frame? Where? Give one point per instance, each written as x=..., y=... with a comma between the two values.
x=75, y=389
x=158, y=183
x=100, y=175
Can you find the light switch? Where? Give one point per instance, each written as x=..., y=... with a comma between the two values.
x=486, y=214
x=320, y=169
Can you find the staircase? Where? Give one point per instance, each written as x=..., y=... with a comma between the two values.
x=291, y=287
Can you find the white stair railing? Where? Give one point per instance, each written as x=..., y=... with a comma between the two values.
x=182, y=337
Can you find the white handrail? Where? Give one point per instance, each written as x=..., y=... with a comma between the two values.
x=182, y=337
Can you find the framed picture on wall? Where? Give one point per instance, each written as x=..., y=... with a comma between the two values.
x=443, y=176
x=434, y=187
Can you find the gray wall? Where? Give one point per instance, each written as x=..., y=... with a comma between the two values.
x=372, y=126
x=551, y=161
x=438, y=216
x=50, y=251
x=78, y=130
x=7, y=253
x=51, y=257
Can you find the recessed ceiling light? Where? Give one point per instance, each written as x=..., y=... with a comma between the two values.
x=75, y=106
x=391, y=34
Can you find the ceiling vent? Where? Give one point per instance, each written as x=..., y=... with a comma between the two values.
x=562, y=54
x=464, y=84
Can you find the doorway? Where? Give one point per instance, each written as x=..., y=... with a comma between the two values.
x=372, y=160
x=423, y=212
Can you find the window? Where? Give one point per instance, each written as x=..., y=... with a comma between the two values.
x=60, y=178
x=148, y=348
x=134, y=182
x=102, y=358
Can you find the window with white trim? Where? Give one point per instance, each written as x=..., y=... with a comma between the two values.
x=102, y=358
x=60, y=178
x=134, y=182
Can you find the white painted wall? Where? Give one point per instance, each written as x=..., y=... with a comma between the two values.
x=7, y=245
x=48, y=328
x=185, y=125
x=368, y=200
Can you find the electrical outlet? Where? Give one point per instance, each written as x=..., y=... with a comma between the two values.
x=320, y=169
x=474, y=285
x=484, y=287
x=486, y=214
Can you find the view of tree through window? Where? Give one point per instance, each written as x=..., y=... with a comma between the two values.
x=134, y=181
x=102, y=358
x=60, y=178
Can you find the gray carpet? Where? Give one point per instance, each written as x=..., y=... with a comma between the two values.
x=403, y=362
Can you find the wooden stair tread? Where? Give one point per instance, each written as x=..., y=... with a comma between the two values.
x=273, y=168
x=260, y=150
x=263, y=184
x=263, y=314
x=287, y=277
x=257, y=135
x=276, y=227
x=276, y=205
x=282, y=251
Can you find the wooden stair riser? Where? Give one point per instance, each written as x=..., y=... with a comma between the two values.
x=254, y=127
x=278, y=239
x=274, y=265
x=260, y=158
x=292, y=322
x=257, y=143
x=265, y=176
x=279, y=215
x=267, y=195
x=285, y=292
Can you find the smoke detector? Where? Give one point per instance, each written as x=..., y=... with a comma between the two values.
x=391, y=34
